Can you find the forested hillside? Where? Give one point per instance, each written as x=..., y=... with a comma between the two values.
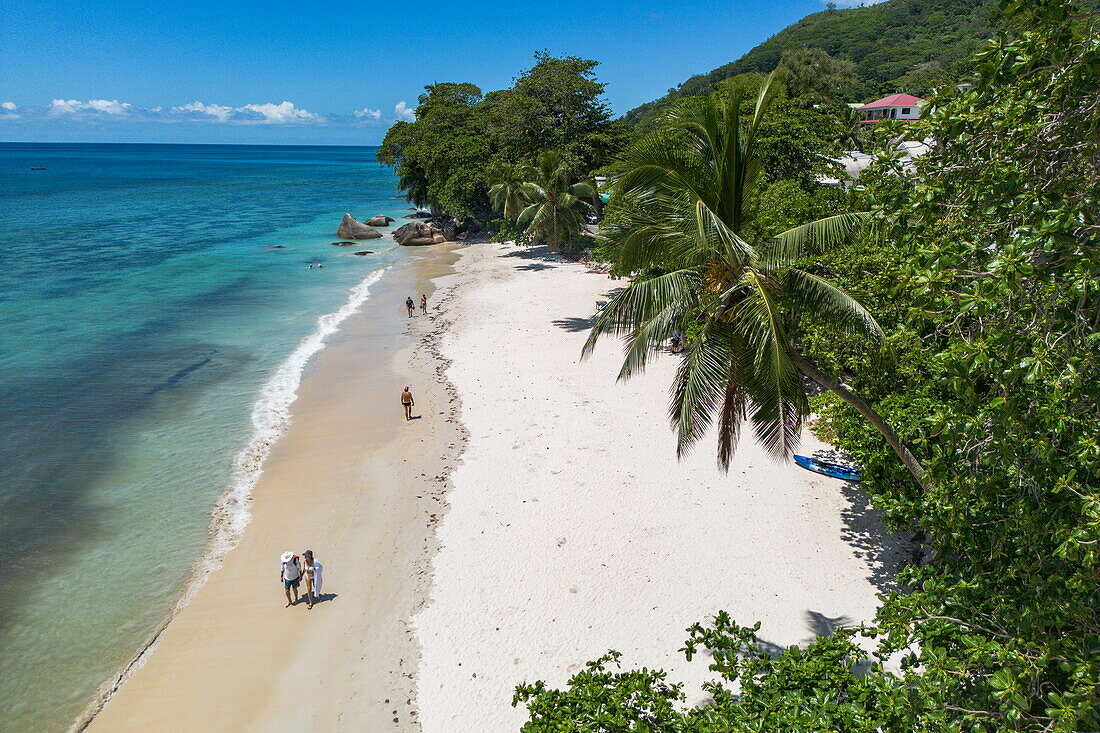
x=896, y=46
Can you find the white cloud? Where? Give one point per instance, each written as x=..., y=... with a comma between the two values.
x=276, y=114
x=283, y=113
x=111, y=107
x=199, y=110
x=402, y=111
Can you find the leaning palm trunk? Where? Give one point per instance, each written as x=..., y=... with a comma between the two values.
x=808, y=368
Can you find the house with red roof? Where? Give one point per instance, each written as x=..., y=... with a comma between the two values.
x=894, y=107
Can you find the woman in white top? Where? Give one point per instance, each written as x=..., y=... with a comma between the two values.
x=311, y=575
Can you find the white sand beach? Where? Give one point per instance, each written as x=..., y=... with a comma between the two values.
x=565, y=528
x=574, y=529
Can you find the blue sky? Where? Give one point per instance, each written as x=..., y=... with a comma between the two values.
x=329, y=72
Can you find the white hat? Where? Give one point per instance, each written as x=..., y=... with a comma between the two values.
x=287, y=556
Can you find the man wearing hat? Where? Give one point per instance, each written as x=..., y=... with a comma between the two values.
x=290, y=572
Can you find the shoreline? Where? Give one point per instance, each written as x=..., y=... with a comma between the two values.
x=410, y=352
x=230, y=516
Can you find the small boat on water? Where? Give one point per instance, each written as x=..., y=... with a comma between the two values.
x=835, y=470
x=36, y=168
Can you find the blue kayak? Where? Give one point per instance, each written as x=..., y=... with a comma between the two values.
x=825, y=468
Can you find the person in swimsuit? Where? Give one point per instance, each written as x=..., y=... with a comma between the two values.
x=407, y=402
x=311, y=573
x=423, y=303
x=290, y=572
x=409, y=304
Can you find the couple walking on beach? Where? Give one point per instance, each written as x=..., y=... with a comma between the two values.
x=410, y=306
x=293, y=570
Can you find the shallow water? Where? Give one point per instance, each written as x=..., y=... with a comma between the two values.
x=146, y=333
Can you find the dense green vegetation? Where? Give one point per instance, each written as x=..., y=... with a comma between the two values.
x=444, y=158
x=981, y=269
x=909, y=46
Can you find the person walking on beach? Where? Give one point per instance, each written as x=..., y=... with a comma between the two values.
x=407, y=402
x=409, y=304
x=423, y=303
x=290, y=572
x=311, y=572
x=318, y=574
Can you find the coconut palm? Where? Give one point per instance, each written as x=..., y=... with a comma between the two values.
x=851, y=133
x=558, y=204
x=507, y=191
x=684, y=200
x=414, y=182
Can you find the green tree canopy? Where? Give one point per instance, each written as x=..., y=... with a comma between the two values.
x=459, y=134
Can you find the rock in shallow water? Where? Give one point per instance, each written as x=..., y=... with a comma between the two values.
x=379, y=220
x=350, y=228
x=364, y=252
x=417, y=233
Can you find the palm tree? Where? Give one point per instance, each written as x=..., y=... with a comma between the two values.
x=684, y=202
x=557, y=203
x=507, y=191
x=851, y=134
x=414, y=182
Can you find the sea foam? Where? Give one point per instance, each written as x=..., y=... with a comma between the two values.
x=270, y=418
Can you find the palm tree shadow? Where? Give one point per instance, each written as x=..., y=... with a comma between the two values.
x=574, y=325
x=535, y=267
x=822, y=625
x=538, y=252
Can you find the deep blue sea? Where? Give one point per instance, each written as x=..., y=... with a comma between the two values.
x=156, y=310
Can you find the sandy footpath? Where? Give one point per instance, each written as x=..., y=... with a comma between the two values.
x=573, y=528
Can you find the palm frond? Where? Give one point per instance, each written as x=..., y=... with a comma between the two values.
x=734, y=404
x=642, y=302
x=773, y=382
x=811, y=294
x=699, y=387
x=816, y=236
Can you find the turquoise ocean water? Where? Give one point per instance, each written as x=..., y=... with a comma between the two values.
x=151, y=338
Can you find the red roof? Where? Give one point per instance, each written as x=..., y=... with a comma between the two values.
x=894, y=100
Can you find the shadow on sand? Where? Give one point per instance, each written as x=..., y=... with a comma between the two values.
x=574, y=325
x=541, y=252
